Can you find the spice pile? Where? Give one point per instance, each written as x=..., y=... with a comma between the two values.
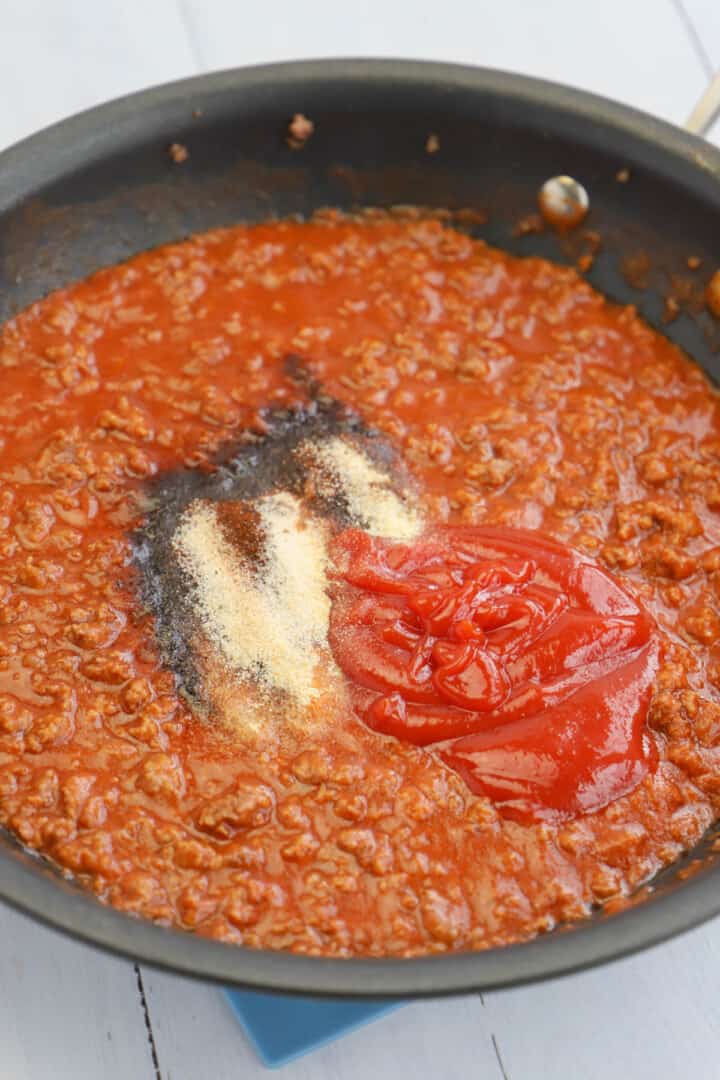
x=253, y=577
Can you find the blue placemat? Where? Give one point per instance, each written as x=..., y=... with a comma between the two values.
x=282, y=1028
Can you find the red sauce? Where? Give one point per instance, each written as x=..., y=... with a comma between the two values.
x=517, y=397
x=527, y=666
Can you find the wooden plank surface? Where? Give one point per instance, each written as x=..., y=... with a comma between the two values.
x=703, y=17
x=650, y=1017
x=703, y=23
x=448, y=1039
x=59, y=58
x=620, y=48
x=66, y=1011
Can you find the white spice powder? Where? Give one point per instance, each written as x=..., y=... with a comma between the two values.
x=269, y=620
x=371, y=499
x=260, y=638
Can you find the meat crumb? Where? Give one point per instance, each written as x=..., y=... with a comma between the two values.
x=622, y=176
x=636, y=269
x=593, y=246
x=467, y=215
x=533, y=223
x=671, y=309
x=197, y=113
x=178, y=152
x=299, y=131
x=694, y=262
x=712, y=295
x=432, y=145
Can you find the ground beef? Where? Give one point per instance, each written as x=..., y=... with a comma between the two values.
x=515, y=394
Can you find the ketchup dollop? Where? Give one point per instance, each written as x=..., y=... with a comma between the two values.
x=523, y=662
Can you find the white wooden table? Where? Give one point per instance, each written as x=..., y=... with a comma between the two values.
x=67, y=1011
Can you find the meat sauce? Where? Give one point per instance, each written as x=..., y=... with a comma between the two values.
x=519, y=399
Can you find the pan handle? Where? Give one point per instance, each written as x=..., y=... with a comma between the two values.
x=707, y=108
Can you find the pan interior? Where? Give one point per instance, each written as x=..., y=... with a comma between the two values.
x=102, y=187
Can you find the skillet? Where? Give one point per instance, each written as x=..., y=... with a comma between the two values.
x=101, y=186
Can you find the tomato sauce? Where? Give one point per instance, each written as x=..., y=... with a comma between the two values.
x=441, y=812
x=527, y=666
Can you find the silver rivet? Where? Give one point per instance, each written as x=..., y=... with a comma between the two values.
x=563, y=202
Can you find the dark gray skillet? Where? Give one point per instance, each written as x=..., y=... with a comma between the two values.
x=100, y=187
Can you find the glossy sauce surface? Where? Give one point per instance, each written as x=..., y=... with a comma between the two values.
x=526, y=665
x=518, y=398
